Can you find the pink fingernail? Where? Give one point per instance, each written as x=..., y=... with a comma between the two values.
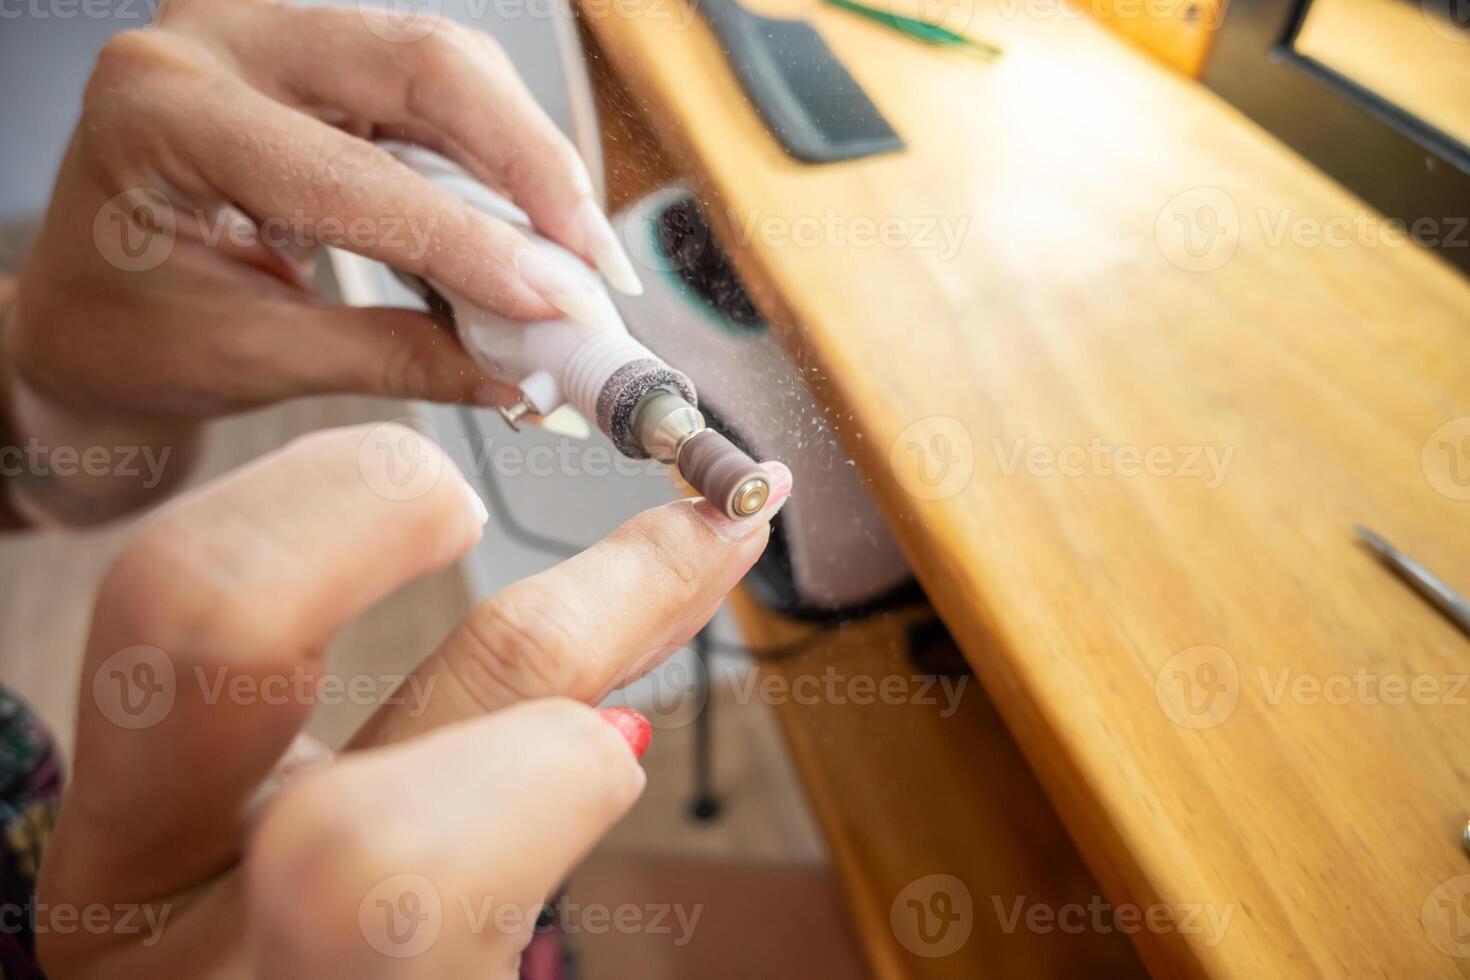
x=734, y=530
x=631, y=724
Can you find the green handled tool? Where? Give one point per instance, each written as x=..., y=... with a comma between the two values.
x=920, y=30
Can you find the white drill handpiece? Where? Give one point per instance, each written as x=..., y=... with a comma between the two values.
x=647, y=408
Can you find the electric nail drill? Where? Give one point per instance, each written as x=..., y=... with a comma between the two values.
x=647, y=409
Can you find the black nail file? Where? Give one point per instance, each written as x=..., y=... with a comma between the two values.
x=805, y=95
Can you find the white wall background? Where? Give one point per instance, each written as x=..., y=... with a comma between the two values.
x=47, y=48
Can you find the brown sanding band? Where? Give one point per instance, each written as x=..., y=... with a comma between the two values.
x=717, y=468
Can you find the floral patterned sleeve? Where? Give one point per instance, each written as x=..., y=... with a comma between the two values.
x=30, y=789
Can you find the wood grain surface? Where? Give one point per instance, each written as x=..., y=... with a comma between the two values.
x=954, y=863
x=1123, y=420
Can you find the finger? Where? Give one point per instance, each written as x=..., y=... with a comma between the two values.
x=206, y=642
x=595, y=622
x=229, y=142
x=453, y=88
x=230, y=233
x=282, y=345
x=431, y=858
x=384, y=351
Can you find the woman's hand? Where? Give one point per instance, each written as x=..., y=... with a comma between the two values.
x=215, y=151
x=427, y=847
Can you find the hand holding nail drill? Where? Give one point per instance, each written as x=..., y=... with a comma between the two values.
x=151, y=302
x=216, y=150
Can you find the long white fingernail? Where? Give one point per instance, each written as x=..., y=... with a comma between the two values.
x=567, y=284
x=476, y=505
x=607, y=252
x=581, y=176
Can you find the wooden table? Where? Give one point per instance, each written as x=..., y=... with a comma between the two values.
x=943, y=839
x=1167, y=367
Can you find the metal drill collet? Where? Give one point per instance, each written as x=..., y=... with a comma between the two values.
x=672, y=431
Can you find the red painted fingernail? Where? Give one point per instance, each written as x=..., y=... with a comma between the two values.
x=632, y=726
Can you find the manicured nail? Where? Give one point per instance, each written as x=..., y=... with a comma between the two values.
x=581, y=176
x=634, y=728
x=567, y=284
x=781, y=482
x=607, y=252
x=476, y=505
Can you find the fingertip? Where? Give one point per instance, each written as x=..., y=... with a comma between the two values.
x=602, y=245
x=579, y=175
x=596, y=742
x=632, y=725
x=479, y=513
x=408, y=475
